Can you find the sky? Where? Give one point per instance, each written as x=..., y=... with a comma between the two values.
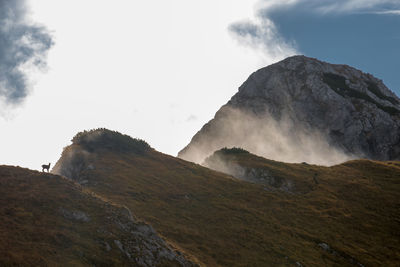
x=159, y=70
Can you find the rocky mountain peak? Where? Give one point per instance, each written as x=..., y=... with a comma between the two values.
x=302, y=109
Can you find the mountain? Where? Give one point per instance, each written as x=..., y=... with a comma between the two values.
x=304, y=215
x=48, y=220
x=302, y=109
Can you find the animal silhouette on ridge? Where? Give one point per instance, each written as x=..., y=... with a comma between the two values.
x=46, y=167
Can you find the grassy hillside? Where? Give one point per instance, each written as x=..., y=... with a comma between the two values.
x=47, y=220
x=345, y=215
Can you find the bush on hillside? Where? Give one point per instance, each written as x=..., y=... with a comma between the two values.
x=101, y=138
x=233, y=150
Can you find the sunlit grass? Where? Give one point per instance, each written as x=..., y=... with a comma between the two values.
x=223, y=221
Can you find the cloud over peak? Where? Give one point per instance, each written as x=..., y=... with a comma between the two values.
x=261, y=33
x=22, y=45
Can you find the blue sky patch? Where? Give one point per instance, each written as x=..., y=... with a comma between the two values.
x=369, y=42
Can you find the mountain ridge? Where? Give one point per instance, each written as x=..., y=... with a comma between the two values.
x=223, y=221
x=301, y=104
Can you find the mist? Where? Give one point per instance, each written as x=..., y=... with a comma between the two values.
x=282, y=140
x=72, y=163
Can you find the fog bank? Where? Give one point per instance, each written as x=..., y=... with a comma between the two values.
x=283, y=140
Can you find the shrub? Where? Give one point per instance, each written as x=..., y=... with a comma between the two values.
x=104, y=139
x=233, y=150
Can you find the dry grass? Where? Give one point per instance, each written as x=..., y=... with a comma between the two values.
x=354, y=209
x=35, y=232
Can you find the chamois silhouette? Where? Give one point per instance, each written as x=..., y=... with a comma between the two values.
x=46, y=167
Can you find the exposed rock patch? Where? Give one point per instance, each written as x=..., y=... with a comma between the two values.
x=139, y=243
x=340, y=254
x=75, y=215
x=224, y=161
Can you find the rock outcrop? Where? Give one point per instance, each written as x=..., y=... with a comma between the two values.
x=230, y=161
x=302, y=109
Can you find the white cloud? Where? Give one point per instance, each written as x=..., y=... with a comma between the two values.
x=388, y=12
x=261, y=34
x=350, y=6
x=192, y=118
x=331, y=6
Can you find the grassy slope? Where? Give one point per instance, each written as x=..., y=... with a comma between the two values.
x=37, y=228
x=354, y=209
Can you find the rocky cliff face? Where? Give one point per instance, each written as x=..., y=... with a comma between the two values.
x=302, y=109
